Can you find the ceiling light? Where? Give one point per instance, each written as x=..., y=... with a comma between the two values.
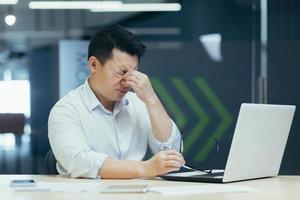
x=73, y=4
x=141, y=7
x=8, y=2
x=105, y=6
x=10, y=20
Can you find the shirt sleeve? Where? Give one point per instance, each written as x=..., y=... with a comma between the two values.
x=70, y=146
x=172, y=143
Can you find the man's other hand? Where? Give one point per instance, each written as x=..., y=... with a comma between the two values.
x=141, y=85
x=163, y=162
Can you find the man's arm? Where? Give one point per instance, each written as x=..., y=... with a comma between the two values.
x=160, y=121
x=164, y=161
x=69, y=143
x=161, y=163
x=76, y=157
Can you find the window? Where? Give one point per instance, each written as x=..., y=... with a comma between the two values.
x=15, y=97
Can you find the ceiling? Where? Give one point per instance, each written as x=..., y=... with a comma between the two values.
x=41, y=27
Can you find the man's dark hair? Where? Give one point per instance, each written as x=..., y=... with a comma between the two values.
x=103, y=42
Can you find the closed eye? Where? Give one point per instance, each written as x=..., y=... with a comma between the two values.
x=122, y=72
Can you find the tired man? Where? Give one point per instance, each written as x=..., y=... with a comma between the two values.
x=101, y=129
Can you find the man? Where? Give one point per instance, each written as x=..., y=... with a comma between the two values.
x=101, y=129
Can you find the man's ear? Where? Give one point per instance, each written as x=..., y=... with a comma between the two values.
x=92, y=63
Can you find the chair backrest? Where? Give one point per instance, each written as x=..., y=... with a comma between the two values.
x=50, y=161
x=12, y=123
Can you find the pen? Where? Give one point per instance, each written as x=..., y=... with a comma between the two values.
x=195, y=170
x=187, y=167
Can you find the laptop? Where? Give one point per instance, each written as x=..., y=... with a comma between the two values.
x=257, y=146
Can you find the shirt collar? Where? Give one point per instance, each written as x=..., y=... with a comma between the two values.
x=89, y=97
x=119, y=105
x=92, y=102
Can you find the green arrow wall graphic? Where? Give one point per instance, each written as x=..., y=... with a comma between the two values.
x=196, y=108
x=225, y=115
x=179, y=117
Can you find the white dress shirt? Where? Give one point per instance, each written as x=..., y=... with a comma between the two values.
x=82, y=133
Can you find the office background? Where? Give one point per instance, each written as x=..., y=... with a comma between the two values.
x=203, y=61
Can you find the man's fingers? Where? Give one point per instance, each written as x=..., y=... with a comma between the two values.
x=138, y=74
x=173, y=152
x=132, y=84
x=175, y=157
x=167, y=161
x=168, y=170
x=172, y=163
x=171, y=169
x=133, y=73
x=132, y=78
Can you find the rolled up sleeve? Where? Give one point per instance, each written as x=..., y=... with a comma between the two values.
x=69, y=144
x=172, y=143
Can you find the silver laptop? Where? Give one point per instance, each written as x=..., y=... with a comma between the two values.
x=257, y=146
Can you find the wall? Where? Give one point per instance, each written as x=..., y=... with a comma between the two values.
x=284, y=70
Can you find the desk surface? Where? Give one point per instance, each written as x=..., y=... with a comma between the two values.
x=282, y=187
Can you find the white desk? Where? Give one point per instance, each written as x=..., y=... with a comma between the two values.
x=282, y=187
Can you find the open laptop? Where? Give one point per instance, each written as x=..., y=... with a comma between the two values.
x=257, y=146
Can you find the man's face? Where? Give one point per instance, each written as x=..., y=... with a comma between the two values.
x=108, y=78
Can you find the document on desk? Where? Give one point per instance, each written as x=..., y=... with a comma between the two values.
x=5, y=195
x=185, y=174
x=200, y=189
x=60, y=187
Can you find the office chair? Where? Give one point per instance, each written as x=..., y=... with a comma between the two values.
x=12, y=123
x=50, y=161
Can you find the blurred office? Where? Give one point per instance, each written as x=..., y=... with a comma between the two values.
x=204, y=58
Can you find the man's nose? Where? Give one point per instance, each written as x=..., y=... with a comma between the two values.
x=123, y=82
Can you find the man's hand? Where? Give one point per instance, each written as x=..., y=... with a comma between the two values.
x=141, y=84
x=163, y=162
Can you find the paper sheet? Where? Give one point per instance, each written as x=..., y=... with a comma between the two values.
x=5, y=195
x=200, y=189
x=184, y=174
x=193, y=173
x=59, y=187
